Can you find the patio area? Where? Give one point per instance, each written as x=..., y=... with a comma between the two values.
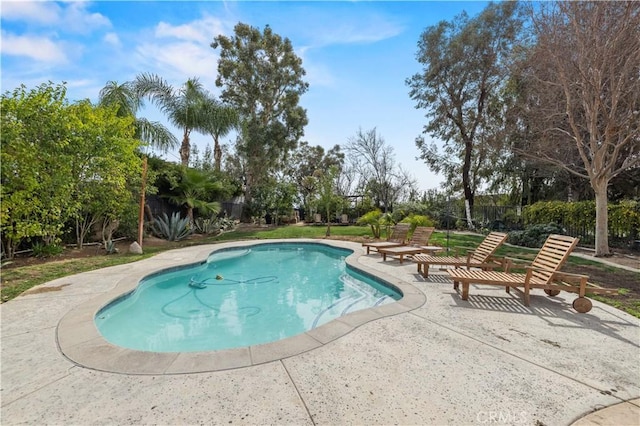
x=488, y=360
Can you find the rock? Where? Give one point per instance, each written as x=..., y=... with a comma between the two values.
x=135, y=248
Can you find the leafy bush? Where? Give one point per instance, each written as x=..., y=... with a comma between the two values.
x=534, y=235
x=416, y=220
x=46, y=250
x=372, y=219
x=172, y=229
x=411, y=208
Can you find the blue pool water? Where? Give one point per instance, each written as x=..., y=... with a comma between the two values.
x=241, y=297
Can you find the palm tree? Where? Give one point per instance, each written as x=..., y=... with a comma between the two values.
x=185, y=108
x=128, y=103
x=125, y=98
x=194, y=188
x=220, y=119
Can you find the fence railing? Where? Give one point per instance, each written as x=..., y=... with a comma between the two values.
x=508, y=218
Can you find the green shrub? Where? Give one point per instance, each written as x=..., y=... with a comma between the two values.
x=172, y=229
x=46, y=250
x=373, y=219
x=416, y=220
x=534, y=235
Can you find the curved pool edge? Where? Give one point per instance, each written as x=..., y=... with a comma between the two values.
x=79, y=340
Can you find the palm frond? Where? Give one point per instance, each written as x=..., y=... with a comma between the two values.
x=154, y=87
x=155, y=134
x=123, y=95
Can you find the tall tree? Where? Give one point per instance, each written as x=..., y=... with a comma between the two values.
x=374, y=161
x=184, y=107
x=104, y=164
x=586, y=67
x=262, y=78
x=464, y=66
x=304, y=163
x=128, y=103
x=61, y=163
x=36, y=171
x=328, y=199
x=220, y=119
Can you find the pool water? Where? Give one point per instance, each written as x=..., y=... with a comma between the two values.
x=241, y=297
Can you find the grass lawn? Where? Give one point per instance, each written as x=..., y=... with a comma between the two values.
x=16, y=279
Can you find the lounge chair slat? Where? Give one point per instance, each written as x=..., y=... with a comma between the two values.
x=553, y=254
x=419, y=240
x=479, y=258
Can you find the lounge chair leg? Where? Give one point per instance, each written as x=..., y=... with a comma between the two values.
x=456, y=285
x=425, y=270
x=465, y=290
x=507, y=289
x=526, y=296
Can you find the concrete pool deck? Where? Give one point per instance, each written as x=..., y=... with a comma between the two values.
x=433, y=359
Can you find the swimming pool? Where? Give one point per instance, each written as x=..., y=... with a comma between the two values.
x=241, y=297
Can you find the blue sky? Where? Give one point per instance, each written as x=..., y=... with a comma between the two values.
x=357, y=56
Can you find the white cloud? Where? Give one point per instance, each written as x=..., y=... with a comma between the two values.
x=76, y=18
x=68, y=17
x=179, y=61
x=112, y=39
x=37, y=48
x=202, y=30
x=365, y=31
x=43, y=13
x=179, y=52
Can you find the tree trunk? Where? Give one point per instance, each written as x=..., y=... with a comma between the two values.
x=602, y=217
x=185, y=149
x=328, y=231
x=467, y=210
x=217, y=154
x=190, y=216
x=468, y=193
x=248, y=197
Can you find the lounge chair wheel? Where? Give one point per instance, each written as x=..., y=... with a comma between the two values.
x=551, y=292
x=582, y=305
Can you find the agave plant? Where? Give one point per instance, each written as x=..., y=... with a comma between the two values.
x=172, y=229
x=206, y=226
x=110, y=247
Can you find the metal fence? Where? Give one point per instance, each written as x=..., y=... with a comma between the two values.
x=509, y=218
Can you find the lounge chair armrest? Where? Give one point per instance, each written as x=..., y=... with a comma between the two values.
x=566, y=276
x=515, y=262
x=502, y=261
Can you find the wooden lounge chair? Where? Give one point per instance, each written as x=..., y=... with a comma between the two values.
x=481, y=257
x=542, y=273
x=417, y=244
x=397, y=238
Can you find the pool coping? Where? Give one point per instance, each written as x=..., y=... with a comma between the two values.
x=79, y=340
